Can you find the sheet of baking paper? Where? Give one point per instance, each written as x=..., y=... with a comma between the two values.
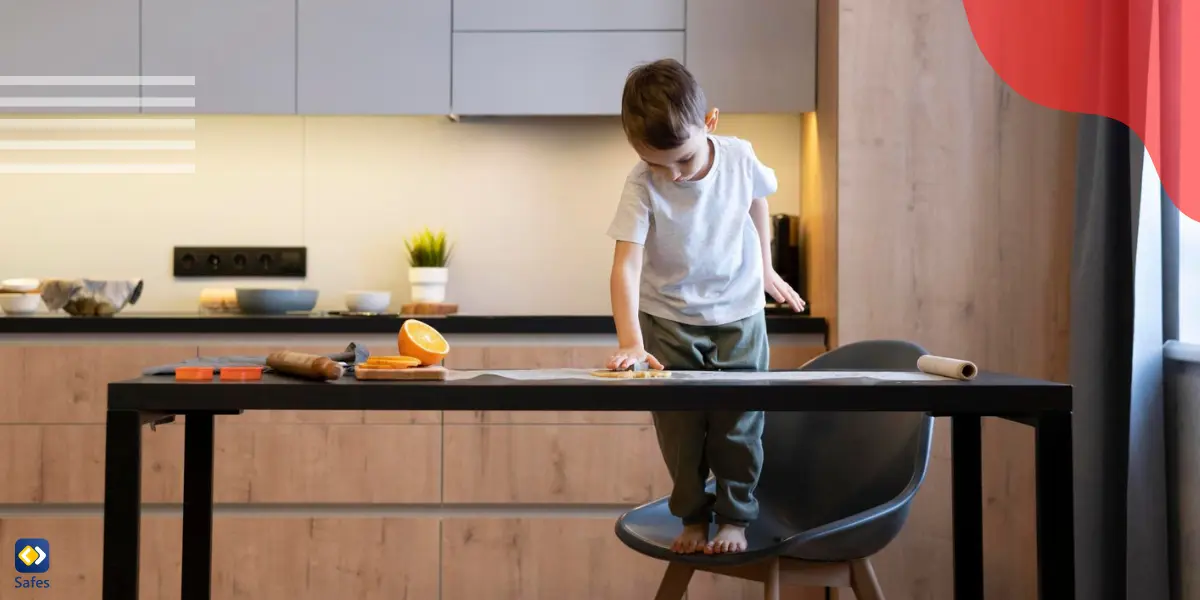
x=558, y=374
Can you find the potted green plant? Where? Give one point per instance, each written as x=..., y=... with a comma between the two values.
x=428, y=257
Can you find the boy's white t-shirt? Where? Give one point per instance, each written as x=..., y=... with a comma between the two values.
x=702, y=263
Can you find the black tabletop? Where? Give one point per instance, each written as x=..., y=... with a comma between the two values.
x=988, y=394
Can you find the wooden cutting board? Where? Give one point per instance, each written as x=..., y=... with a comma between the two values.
x=434, y=373
x=428, y=308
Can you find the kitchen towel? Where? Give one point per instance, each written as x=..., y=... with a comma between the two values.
x=88, y=297
x=354, y=353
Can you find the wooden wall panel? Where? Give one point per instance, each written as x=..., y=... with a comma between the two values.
x=954, y=200
x=542, y=559
x=573, y=464
x=819, y=177
x=263, y=558
x=69, y=383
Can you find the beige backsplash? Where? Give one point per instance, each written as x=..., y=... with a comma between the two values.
x=527, y=203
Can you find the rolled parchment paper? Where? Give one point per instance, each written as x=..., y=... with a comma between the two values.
x=947, y=367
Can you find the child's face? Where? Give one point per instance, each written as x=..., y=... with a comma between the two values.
x=688, y=161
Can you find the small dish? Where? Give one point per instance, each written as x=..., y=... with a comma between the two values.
x=368, y=301
x=19, y=303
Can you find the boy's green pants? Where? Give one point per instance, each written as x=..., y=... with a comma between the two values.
x=727, y=442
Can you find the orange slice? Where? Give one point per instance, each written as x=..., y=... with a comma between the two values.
x=395, y=362
x=420, y=341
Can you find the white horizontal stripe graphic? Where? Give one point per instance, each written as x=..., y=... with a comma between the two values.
x=97, y=80
x=95, y=102
x=90, y=169
x=69, y=124
x=97, y=145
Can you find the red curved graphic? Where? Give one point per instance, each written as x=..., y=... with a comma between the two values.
x=1122, y=59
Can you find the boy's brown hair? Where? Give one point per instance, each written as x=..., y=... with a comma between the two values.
x=660, y=104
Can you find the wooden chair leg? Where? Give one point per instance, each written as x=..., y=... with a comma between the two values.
x=771, y=590
x=674, y=582
x=863, y=581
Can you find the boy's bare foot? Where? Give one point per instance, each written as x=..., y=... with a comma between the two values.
x=693, y=539
x=729, y=539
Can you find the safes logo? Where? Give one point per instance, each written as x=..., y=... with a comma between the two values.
x=31, y=555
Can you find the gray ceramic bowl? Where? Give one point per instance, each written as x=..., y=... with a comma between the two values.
x=275, y=302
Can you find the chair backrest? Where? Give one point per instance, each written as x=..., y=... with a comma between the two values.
x=822, y=467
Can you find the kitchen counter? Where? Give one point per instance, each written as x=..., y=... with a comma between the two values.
x=463, y=489
x=322, y=323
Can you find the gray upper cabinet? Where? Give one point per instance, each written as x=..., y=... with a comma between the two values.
x=551, y=73
x=374, y=57
x=241, y=53
x=385, y=57
x=568, y=15
x=68, y=41
x=754, y=56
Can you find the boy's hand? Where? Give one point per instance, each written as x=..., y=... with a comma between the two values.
x=781, y=291
x=627, y=357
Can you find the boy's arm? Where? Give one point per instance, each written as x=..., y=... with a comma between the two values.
x=766, y=184
x=772, y=282
x=623, y=287
x=759, y=212
x=624, y=283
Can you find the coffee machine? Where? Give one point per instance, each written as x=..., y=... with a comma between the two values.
x=788, y=259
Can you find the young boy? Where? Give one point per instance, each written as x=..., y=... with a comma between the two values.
x=692, y=261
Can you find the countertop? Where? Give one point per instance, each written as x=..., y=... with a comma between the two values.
x=319, y=322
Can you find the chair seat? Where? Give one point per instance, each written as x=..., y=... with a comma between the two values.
x=650, y=530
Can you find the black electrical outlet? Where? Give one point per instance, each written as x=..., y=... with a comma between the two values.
x=241, y=261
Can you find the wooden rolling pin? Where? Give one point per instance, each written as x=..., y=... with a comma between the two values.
x=308, y=366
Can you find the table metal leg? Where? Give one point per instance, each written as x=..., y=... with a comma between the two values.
x=122, y=504
x=197, y=507
x=966, y=447
x=1055, y=508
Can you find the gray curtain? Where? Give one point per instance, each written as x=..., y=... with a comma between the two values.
x=1116, y=370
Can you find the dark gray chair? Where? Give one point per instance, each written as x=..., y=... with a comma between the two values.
x=835, y=489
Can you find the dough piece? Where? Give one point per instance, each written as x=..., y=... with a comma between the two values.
x=651, y=374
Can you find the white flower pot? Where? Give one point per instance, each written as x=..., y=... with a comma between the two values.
x=428, y=283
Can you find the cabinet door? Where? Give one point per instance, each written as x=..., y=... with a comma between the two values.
x=242, y=54
x=69, y=42
x=374, y=57
x=553, y=73
x=568, y=15
x=754, y=56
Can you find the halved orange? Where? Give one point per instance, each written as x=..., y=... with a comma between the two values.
x=420, y=341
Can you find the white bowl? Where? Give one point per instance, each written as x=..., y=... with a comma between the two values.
x=20, y=304
x=19, y=285
x=368, y=301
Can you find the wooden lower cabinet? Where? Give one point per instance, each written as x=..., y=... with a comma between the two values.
x=542, y=559
x=68, y=383
x=254, y=558
x=553, y=464
x=368, y=558
x=254, y=463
